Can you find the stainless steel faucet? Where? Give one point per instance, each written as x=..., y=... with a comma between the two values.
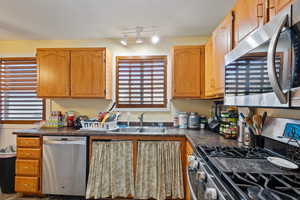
x=141, y=118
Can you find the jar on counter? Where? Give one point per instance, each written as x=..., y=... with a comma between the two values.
x=194, y=121
x=203, y=122
x=176, y=120
x=183, y=119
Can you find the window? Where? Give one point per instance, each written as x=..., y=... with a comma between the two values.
x=19, y=102
x=141, y=82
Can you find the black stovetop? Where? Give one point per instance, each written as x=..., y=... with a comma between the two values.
x=267, y=186
x=236, y=152
x=248, y=174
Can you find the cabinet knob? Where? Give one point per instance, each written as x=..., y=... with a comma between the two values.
x=201, y=176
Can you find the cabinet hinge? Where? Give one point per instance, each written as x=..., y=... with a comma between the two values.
x=260, y=10
x=267, y=4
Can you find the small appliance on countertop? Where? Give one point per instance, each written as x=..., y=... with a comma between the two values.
x=235, y=173
x=214, y=121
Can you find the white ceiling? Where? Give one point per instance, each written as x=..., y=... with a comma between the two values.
x=94, y=19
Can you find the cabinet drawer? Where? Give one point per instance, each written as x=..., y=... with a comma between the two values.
x=27, y=184
x=27, y=167
x=27, y=153
x=28, y=142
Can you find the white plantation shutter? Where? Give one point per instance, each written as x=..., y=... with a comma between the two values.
x=141, y=82
x=18, y=83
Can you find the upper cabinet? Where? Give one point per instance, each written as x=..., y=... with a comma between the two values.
x=277, y=5
x=87, y=73
x=249, y=15
x=188, y=71
x=209, y=76
x=221, y=45
x=53, y=73
x=74, y=73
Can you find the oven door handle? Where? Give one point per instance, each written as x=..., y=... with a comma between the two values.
x=190, y=185
x=281, y=95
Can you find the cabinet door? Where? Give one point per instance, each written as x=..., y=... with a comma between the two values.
x=277, y=5
x=209, y=76
x=222, y=44
x=88, y=73
x=53, y=73
x=248, y=16
x=188, y=71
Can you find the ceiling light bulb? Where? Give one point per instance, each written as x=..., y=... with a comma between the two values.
x=154, y=39
x=139, y=40
x=124, y=41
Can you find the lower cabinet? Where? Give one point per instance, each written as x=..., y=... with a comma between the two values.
x=27, y=184
x=28, y=165
x=138, y=167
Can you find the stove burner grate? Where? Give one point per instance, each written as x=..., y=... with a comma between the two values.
x=267, y=186
x=236, y=152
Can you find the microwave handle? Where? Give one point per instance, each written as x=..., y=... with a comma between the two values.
x=281, y=95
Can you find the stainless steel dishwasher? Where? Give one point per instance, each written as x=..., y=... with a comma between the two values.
x=64, y=165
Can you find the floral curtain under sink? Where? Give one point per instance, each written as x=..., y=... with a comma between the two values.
x=158, y=171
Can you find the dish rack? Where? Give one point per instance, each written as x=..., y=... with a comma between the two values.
x=91, y=125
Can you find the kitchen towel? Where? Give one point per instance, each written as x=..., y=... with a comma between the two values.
x=111, y=171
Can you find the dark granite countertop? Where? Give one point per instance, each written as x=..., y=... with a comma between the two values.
x=196, y=137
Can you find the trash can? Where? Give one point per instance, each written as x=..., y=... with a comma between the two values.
x=7, y=172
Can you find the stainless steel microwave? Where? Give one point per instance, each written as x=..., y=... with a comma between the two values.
x=264, y=69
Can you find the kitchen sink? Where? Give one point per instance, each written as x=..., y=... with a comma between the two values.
x=152, y=130
x=140, y=130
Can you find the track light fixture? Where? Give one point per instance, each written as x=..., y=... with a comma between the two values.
x=137, y=32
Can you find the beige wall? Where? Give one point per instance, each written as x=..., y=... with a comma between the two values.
x=91, y=106
x=281, y=113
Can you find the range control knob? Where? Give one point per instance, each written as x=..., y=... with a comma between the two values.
x=211, y=194
x=193, y=164
x=201, y=176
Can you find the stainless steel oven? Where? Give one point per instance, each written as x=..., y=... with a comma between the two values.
x=203, y=182
x=264, y=69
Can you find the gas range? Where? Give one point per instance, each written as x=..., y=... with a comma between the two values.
x=239, y=173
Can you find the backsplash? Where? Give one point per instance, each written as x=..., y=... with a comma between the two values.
x=90, y=107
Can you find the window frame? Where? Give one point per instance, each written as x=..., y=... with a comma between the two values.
x=147, y=107
x=43, y=100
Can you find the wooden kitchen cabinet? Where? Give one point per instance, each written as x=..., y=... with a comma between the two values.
x=209, y=76
x=53, y=73
x=87, y=73
x=135, y=139
x=222, y=39
x=28, y=165
x=248, y=16
x=74, y=73
x=275, y=6
x=188, y=71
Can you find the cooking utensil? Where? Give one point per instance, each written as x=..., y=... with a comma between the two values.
x=249, y=123
x=257, y=124
x=105, y=118
x=282, y=163
x=112, y=107
x=264, y=117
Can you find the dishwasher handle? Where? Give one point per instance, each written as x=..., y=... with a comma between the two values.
x=61, y=141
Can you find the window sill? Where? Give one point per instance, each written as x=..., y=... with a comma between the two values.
x=142, y=109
